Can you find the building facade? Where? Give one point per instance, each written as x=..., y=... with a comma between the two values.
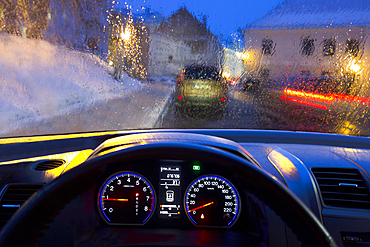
x=291, y=42
x=180, y=40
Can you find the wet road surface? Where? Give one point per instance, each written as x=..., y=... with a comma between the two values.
x=243, y=110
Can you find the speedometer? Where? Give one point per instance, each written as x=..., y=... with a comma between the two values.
x=212, y=201
x=126, y=198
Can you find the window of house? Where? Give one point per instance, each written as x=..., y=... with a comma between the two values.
x=267, y=46
x=307, y=46
x=353, y=47
x=329, y=47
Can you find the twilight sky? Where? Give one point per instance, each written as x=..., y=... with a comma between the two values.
x=224, y=16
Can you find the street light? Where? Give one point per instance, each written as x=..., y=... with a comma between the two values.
x=241, y=55
x=125, y=35
x=355, y=68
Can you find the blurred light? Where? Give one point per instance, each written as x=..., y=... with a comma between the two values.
x=298, y=101
x=110, y=63
x=126, y=34
x=355, y=68
x=226, y=74
x=313, y=99
x=244, y=56
x=310, y=96
x=346, y=128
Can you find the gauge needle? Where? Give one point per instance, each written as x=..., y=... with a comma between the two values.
x=205, y=205
x=119, y=200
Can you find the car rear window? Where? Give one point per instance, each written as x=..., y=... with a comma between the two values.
x=202, y=73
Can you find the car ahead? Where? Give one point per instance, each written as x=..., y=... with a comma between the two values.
x=250, y=84
x=199, y=88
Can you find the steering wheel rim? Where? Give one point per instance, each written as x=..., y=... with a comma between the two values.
x=32, y=220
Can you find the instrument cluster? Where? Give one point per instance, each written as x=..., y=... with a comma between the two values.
x=168, y=190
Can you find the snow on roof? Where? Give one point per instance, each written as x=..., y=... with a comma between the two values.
x=316, y=13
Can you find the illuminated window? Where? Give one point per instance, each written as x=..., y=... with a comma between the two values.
x=268, y=47
x=307, y=46
x=353, y=47
x=329, y=47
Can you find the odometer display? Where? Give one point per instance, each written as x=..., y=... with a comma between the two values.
x=126, y=198
x=212, y=201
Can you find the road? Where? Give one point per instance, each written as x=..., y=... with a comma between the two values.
x=243, y=110
x=247, y=110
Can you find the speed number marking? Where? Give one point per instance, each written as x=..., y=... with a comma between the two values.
x=212, y=201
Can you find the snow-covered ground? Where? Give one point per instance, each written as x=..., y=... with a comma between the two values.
x=39, y=80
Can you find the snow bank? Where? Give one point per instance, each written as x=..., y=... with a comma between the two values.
x=40, y=80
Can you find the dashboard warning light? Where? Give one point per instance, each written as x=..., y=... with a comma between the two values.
x=202, y=216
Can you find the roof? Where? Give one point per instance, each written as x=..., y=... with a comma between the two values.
x=316, y=13
x=183, y=24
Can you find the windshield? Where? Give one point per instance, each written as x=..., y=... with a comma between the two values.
x=72, y=66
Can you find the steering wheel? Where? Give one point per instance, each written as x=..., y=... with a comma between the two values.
x=32, y=220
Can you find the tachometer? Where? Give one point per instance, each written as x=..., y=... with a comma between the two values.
x=212, y=201
x=126, y=198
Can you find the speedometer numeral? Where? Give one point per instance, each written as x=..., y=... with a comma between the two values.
x=212, y=201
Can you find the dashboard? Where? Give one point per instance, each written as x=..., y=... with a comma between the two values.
x=186, y=188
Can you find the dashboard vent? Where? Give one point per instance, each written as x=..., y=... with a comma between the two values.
x=48, y=165
x=342, y=187
x=13, y=196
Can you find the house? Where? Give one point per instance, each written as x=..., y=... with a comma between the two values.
x=74, y=23
x=179, y=40
x=315, y=38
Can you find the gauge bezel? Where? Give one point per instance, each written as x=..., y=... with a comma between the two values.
x=239, y=205
x=114, y=175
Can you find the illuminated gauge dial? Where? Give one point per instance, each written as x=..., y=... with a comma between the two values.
x=212, y=201
x=126, y=198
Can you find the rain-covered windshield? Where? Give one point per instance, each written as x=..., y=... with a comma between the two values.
x=71, y=66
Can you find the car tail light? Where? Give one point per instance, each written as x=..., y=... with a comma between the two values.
x=179, y=79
